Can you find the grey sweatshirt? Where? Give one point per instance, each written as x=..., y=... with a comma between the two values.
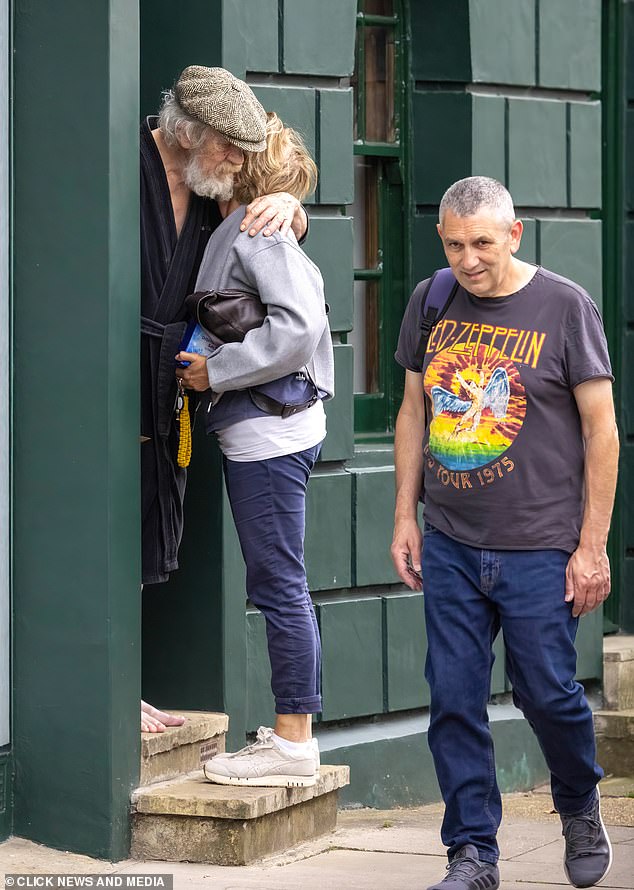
x=295, y=332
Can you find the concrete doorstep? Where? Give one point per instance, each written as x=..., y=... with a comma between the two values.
x=379, y=850
x=194, y=820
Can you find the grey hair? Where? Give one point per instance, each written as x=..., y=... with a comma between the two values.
x=468, y=196
x=175, y=122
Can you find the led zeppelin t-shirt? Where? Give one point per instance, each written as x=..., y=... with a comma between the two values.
x=503, y=453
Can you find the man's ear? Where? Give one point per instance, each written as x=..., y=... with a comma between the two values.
x=182, y=138
x=516, y=235
x=439, y=230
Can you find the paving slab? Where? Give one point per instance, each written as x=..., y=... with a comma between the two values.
x=370, y=850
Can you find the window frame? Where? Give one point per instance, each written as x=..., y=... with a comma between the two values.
x=375, y=412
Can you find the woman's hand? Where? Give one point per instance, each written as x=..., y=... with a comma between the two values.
x=195, y=375
x=279, y=211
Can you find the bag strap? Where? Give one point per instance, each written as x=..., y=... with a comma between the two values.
x=435, y=299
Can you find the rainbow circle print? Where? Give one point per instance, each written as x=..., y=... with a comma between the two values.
x=478, y=407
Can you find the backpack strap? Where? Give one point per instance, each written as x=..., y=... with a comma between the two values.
x=435, y=299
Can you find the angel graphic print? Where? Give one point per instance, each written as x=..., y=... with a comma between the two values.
x=503, y=451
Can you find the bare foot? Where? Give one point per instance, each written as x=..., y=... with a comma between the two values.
x=153, y=720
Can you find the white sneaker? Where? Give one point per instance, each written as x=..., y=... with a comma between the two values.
x=317, y=757
x=263, y=764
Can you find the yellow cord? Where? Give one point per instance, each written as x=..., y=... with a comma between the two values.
x=184, y=435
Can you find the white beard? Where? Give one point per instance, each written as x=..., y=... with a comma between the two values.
x=207, y=185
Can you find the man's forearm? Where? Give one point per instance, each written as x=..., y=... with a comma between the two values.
x=408, y=462
x=601, y=467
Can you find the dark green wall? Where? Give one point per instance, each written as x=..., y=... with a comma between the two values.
x=174, y=36
x=196, y=652
x=543, y=141
x=75, y=423
x=545, y=144
x=622, y=47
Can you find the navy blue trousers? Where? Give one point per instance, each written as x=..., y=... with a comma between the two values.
x=268, y=501
x=469, y=594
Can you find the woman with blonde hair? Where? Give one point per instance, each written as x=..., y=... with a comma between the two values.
x=262, y=398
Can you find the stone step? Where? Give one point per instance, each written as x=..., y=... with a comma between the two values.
x=194, y=820
x=181, y=749
x=615, y=741
x=618, y=672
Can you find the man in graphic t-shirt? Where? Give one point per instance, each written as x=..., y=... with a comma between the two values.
x=510, y=429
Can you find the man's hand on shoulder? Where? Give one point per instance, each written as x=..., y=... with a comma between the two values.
x=277, y=212
x=587, y=579
x=406, y=552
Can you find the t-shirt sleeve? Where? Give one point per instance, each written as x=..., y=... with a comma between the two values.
x=586, y=349
x=409, y=335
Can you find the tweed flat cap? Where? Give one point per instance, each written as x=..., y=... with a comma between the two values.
x=215, y=97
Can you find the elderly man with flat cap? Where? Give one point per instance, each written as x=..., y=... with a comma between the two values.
x=189, y=155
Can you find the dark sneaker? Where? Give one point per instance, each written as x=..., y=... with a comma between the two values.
x=588, y=855
x=466, y=872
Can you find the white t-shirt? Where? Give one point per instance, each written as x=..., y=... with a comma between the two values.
x=261, y=438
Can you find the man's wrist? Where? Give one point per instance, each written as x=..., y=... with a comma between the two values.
x=405, y=514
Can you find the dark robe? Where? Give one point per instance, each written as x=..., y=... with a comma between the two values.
x=169, y=266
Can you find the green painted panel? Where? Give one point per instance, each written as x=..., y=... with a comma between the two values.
x=171, y=41
x=397, y=770
x=319, y=37
x=487, y=126
x=427, y=254
x=627, y=409
x=336, y=177
x=6, y=796
x=626, y=480
x=230, y=623
x=629, y=49
x=435, y=27
x=439, y=162
x=629, y=158
x=339, y=442
x=329, y=244
x=352, y=664
x=570, y=44
x=261, y=704
x=589, y=646
x=585, y=154
x=296, y=107
x=528, y=248
x=537, y=152
x=573, y=248
x=519, y=762
x=76, y=513
x=406, y=647
x=182, y=634
x=374, y=523
x=502, y=41
x=329, y=530
x=627, y=602
x=628, y=290
x=498, y=674
x=250, y=36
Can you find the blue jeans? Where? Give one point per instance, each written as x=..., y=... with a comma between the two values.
x=469, y=594
x=268, y=501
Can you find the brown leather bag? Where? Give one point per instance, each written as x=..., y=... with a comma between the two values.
x=226, y=315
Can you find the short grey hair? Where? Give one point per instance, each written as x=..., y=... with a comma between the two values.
x=175, y=122
x=468, y=196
